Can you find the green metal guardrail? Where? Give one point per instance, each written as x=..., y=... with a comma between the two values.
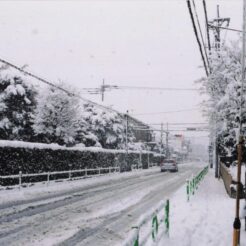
x=162, y=211
x=192, y=184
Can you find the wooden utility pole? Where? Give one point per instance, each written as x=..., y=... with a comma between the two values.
x=207, y=28
x=217, y=44
x=216, y=25
x=161, y=138
x=216, y=155
x=103, y=90
x=167, y=148
x=237, y=222
x=127, y=130
x=126, y=138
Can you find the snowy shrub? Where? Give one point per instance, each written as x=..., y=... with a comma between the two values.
x=38, y=158
x=17, y=104
x=56, y=116
x=107, y=126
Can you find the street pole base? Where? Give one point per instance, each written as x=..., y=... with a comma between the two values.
x=236, y=237
x=236, y=232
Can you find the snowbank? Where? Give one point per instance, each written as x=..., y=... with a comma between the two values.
x=53, y=146
x=206, y=220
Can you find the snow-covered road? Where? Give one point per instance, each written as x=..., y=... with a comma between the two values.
x=99, y=211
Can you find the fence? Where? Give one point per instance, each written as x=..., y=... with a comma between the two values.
x=192, y=184
x=87, y=173
x=153, y=231
x=230, y=184
x=227, y=178
x=138, y=166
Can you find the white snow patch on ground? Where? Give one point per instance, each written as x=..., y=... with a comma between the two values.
x=206, y=220
x=41, y=189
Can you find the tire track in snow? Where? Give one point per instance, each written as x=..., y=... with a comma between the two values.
x=124, y=188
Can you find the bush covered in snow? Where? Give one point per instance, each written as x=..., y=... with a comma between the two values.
x=56, y=116
x=41, y=113
x=37, y=158
x=17, y=104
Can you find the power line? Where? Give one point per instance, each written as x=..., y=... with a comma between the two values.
x=171, y=130
x=56, y=86
x=153, y=88
x=206, y=20
x=179, y=123
x=200, y=30
x=168, y=112
x=196, y=34
x=108, y=87
x=196, y=136
x=225, y=28
x=36, y=77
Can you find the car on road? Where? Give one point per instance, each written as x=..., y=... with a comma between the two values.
x=169, y=165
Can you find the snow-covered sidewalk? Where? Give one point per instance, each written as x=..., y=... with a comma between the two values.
x=207, y=219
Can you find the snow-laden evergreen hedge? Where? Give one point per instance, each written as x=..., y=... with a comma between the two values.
x=28, y=157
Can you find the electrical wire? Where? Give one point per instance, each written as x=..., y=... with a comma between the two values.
x=154, y=88
x=169, y=112
x=56, y=86
x=197, y=38
x=225, y=28
x=201, y=34
x=110, y=87
x=179, y=123
x=206, y=21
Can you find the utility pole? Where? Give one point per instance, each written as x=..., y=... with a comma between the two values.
x=167, y=148
x=207, y=28
x=161, y=138
x=237, y=222
x=215, y=25
x=216, y=150
x=126, y=139
x=218, y=30
x=103, y=90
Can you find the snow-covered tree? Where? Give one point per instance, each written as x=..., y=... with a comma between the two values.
x=56, y=116
x=223, y=86
x=17, y=104
x=107, y=126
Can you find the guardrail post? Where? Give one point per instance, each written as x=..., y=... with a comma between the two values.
x=86, y=172
x=20, y=175
x=48, y=177
x=140, y=160
x=99, y=171
x=69, y=174
x=167, y=207
x=188, y=189
x=155, y=227
x=136, y=241
x=193, y=185
x=194, y=182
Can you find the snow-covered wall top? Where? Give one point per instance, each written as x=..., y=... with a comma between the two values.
x=30, y=145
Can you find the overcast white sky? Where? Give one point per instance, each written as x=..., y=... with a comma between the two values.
x=135, y=43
